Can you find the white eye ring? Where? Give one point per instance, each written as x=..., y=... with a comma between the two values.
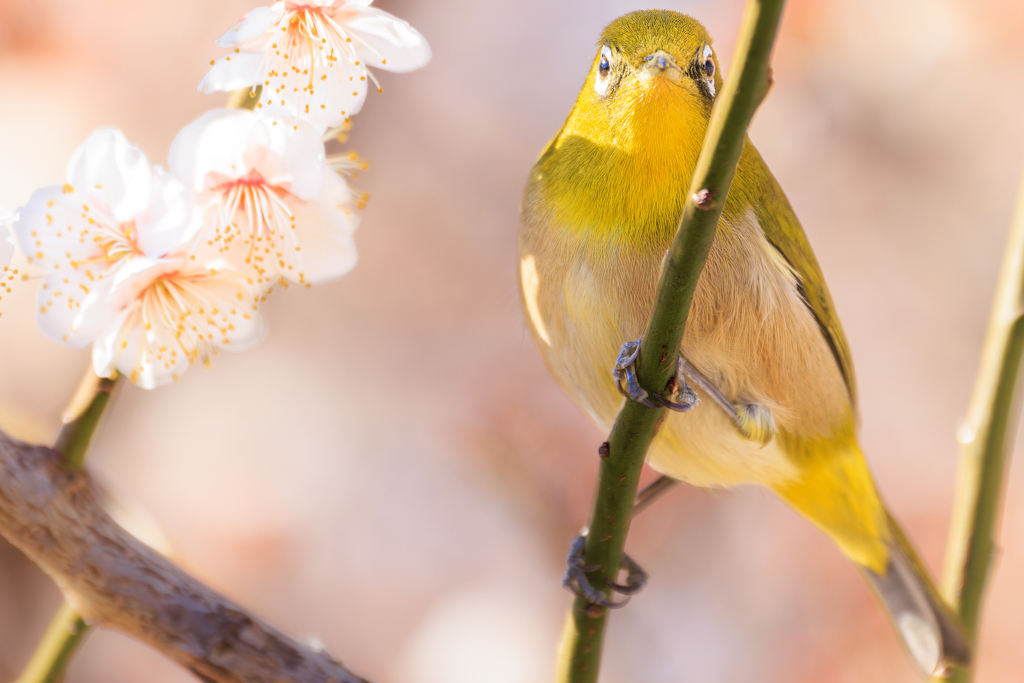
x=710, y=80
x=601, y=82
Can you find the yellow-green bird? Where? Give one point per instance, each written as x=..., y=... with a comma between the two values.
x=600, y=210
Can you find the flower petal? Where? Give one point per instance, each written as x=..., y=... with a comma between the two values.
x=108, y=345
x=247, y=327
x=54, y=232
x=112, y=173
x=134, y=275
x=56, y=235
x=323, y=230
x=210, y=150
x=183, y=317
x=128, y=347
x=165, y=222
x=387, y=42
x=304, y=159
x=71, y=320
x=240, y=70
x=251, y=26
x=336, y=97
x=226, y=144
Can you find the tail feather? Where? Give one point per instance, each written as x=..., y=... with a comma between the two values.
x=836, y=492
x=930, y=630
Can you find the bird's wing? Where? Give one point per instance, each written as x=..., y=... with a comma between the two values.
x=783, y=231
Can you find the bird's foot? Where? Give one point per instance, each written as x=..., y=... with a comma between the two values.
x=577, y=583
x=680, y=396
x=625, y=375
x=683, y=397
x=636, y=578
x=753, y=421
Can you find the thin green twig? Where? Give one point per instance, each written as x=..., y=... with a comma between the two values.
x=635, y=425
x=53, y=653
x=985, y=440
x=67, y=629
x=83, y=416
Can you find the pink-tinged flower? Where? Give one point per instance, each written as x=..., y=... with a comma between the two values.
x=311, y=58
x=271, y=202
x=121, y=271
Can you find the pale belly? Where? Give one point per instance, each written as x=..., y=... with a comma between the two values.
x=752, y=335
x=701, y=447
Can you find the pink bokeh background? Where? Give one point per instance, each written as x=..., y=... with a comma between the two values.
x=394, y=474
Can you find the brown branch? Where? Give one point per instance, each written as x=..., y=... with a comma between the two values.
x=115, y=581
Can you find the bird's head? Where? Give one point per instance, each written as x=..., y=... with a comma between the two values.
x=652, y=68
x=654, y=53
x=626, y=153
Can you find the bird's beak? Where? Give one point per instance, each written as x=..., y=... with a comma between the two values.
x=661, y=63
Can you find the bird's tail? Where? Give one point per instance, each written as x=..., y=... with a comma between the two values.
x=930, y=630
x=837, y=493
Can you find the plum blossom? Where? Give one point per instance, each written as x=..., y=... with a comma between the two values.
x=270, y=200
x=311, y=58
x=120, y=270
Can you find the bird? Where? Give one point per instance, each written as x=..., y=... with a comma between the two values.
x=763, y=346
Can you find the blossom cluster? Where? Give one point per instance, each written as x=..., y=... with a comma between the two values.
x=159, y=269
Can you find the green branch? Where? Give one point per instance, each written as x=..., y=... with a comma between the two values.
x=83, y=416
x=985, y=440
x=636, y=425
x=67, y=629
x=53, y=653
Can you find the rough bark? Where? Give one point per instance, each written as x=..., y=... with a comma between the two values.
x=115, y=581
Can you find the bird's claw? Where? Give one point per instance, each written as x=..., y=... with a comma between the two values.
x=625, y=375
x=576, y=581
x=682, y=398
x=635, y=580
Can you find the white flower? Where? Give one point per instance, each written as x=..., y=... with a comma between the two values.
x=311, y=58
x=121, y=271
x=271, y=202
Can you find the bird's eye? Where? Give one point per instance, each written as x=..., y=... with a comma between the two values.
x=709, y=69
x=604, y=68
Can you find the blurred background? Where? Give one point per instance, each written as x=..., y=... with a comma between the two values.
x=394, y=474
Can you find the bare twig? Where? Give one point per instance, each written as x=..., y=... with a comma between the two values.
x=986, y=439
x=115, y=581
